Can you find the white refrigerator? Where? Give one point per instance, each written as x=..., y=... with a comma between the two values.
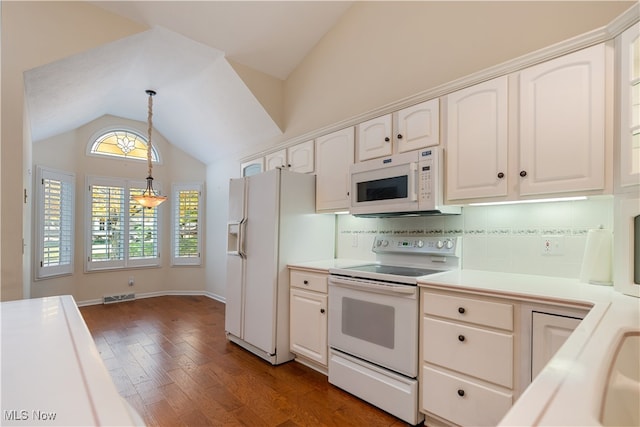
x=272, y=223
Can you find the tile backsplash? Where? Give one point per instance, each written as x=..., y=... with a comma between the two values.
x=509, y=238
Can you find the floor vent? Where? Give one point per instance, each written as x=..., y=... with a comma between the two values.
x=110, y=299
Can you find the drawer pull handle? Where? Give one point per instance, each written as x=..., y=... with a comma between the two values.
x=461, y=392
x=322, y=310
x=306, y=282
x=461, y=310
x=461, y=338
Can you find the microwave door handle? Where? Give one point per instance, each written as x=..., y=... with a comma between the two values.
x=413, y=181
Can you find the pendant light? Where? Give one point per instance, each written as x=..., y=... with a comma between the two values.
x=149, y=198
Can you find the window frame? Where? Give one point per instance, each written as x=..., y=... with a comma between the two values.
x=177, y=260
x=110, y=129
x=126, y=262
x=67, y=179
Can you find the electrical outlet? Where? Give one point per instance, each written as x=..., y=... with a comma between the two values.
x=552, y=245
x=131, y=281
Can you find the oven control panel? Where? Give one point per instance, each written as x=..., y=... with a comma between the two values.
x=416, y=245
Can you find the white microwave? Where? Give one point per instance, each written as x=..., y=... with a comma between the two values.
x=400, y=185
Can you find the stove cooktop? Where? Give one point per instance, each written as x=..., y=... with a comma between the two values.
x=395, y=270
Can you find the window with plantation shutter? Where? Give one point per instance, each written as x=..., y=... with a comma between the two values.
x=187, y=224
x=122, y=234
x=55, y=222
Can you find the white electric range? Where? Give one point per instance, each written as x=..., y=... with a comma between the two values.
x=373, y=320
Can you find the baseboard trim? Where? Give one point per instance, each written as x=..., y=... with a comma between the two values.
x=159, y=294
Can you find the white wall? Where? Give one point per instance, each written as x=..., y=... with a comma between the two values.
x=382, y=52
x=68, y=152
x=496, y=238
x=34, y=34
x=218, y=175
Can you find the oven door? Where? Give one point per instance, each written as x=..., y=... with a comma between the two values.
x=377, y=322
x=385, y=185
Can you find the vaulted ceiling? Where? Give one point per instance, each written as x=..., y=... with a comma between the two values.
x=202, y=106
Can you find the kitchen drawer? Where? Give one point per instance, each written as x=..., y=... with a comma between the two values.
x=484, y=354
x=480, y=312
x=478, y=406
x=308, y=280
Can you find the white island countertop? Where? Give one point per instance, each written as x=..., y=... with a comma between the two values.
x=569, y=390
x=52, y=372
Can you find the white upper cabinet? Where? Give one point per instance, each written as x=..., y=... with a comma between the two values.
x=298, y=158
x=276, y=160
x=537, y=132
x=252, y=167
x=409, y=129
x=301, y=157
x=628, y=45
x=334, y=156
x=374, y=138
x=562, y=124
x=476, y=141
x=417, y=126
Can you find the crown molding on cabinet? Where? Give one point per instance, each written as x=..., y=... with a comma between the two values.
x=599, y=35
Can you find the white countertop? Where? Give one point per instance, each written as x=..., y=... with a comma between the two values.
x=52, y=372
x=569, y=389
x=323, y=266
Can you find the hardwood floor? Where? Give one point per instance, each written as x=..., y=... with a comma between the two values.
x=170, y=359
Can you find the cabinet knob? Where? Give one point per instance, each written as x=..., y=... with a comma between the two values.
x=399, y=136
x=386, y=139
x=461, y=310
x=306, y=282
x=461, y=338
x=500, y=175
x=460, y=392
x=322, y=310
x=523, y=173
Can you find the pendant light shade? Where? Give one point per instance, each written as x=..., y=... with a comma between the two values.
x=149, y=198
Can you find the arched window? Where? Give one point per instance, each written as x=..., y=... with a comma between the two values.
x=122, y=143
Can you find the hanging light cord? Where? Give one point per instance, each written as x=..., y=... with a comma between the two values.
x=149, y=128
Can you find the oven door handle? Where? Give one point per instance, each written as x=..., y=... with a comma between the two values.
x=372, y=286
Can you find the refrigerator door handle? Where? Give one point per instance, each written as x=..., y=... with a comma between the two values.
x=235, y=238
x=241, y=238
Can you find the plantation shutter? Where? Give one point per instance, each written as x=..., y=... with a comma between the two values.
x=55, y=216
x=187, y=224
x=107, y=226
x=143, y=229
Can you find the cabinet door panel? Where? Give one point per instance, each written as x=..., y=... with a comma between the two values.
x=469, y=310
x=477, y=125
x=276, y=160
x=562, y=140
x=374, y=138
x=548, y=333
x=334, y=156
x=309, y=325
x=629, y=46
x=478, y=406
x=417, y=126
x=310, y=281
x=478, y=352
x=301, y=157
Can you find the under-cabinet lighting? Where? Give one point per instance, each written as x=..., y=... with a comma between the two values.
x=514, y=202
x=341, y=212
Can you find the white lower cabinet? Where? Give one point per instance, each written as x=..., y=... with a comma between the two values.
x=308, y=318
x=548, y=333
x=468, y=358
